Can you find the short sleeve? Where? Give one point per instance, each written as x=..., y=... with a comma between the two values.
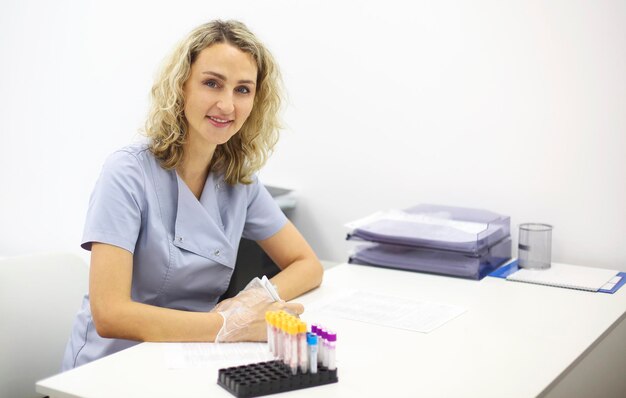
x=114, y=213
x=264, y=217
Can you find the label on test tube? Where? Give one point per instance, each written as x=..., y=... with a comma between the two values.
x=312, y=343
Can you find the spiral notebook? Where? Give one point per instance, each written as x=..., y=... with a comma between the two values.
x=568, y=276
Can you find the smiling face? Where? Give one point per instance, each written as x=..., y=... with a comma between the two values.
x=219, y=94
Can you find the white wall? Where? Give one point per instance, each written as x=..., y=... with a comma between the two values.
x=514, y=106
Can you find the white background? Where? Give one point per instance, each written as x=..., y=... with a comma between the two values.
x=518, y=107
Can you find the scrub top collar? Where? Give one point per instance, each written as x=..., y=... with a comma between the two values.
x=198, y=220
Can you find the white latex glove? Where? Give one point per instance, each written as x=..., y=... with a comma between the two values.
x=244, y=314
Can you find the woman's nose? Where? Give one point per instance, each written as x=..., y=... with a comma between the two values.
x=225, y=103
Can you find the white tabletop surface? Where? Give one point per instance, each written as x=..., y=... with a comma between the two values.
x=514, y=340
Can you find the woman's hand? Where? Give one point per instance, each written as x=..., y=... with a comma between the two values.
x=244, y=314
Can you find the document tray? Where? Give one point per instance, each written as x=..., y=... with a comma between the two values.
x=472, y=266
x=435, y=227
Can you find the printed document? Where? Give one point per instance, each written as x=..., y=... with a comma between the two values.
x=395, y=312
x=199, y=355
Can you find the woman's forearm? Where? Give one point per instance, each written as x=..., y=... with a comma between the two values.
x=301, y=269
x=142, y=322
x=298, y=278
x=116, y=315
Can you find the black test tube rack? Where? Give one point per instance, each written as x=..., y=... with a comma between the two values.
x=270, y=377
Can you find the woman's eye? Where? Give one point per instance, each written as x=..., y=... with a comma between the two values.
x=243, y=90
x=211, y=83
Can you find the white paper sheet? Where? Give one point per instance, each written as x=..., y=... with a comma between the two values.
x=439, y=219
x=199, y=355
x=395, y=312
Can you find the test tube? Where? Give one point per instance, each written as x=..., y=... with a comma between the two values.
x=276, y=335
x=286, y=343
x=312, y=343
x=275, y=330
x=270, y=332
x=315, y=329
x=293, y=342
x=331, y=350
x=303, y=356
x=321, y=359
x=280, y=346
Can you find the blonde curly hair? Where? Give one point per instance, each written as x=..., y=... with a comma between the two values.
x=166, y=126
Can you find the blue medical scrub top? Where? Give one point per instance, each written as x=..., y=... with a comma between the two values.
x=184, y=249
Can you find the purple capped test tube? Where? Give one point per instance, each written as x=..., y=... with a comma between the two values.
x=331, y=338
x=322, y=359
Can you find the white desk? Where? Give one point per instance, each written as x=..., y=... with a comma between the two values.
x=515, y=340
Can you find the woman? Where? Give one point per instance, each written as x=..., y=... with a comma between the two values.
x=165, y=219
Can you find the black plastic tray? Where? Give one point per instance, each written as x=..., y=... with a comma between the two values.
x=271, y=377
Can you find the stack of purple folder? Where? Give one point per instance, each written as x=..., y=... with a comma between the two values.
x=463, y=242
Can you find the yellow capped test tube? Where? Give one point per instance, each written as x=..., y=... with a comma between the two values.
x=293, y=344
x=270, y=334
x=303, y=349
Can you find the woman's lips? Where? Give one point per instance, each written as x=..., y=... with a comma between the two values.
x=217, y=122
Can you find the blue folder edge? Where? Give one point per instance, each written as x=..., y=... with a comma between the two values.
x=511, y=267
